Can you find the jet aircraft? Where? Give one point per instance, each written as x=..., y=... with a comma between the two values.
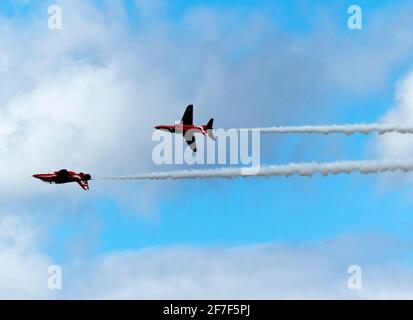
x=65, y=176
x=187, y=128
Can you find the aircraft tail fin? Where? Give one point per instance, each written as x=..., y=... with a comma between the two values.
x=210, y=124
x=209, y=128
x=84, y=185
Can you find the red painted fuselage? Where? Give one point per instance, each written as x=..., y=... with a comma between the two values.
x=183, y=128
x=65, y=176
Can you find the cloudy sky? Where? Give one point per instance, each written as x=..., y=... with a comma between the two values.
x=87, y=97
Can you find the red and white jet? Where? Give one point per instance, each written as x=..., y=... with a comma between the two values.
x=187, y=128
x=65, y=176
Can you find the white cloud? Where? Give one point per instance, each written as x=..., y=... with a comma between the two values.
x=270, y=271
x=394, y=145
x=23, y=272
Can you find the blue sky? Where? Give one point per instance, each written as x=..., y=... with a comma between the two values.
x=252, y=211
x=246, y=212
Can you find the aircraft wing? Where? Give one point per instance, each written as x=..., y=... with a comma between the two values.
x=188, y=117
x=46, y=177
x=190, y=140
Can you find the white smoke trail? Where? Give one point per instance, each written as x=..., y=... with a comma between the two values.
x=302, y=169
x=346, y=129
